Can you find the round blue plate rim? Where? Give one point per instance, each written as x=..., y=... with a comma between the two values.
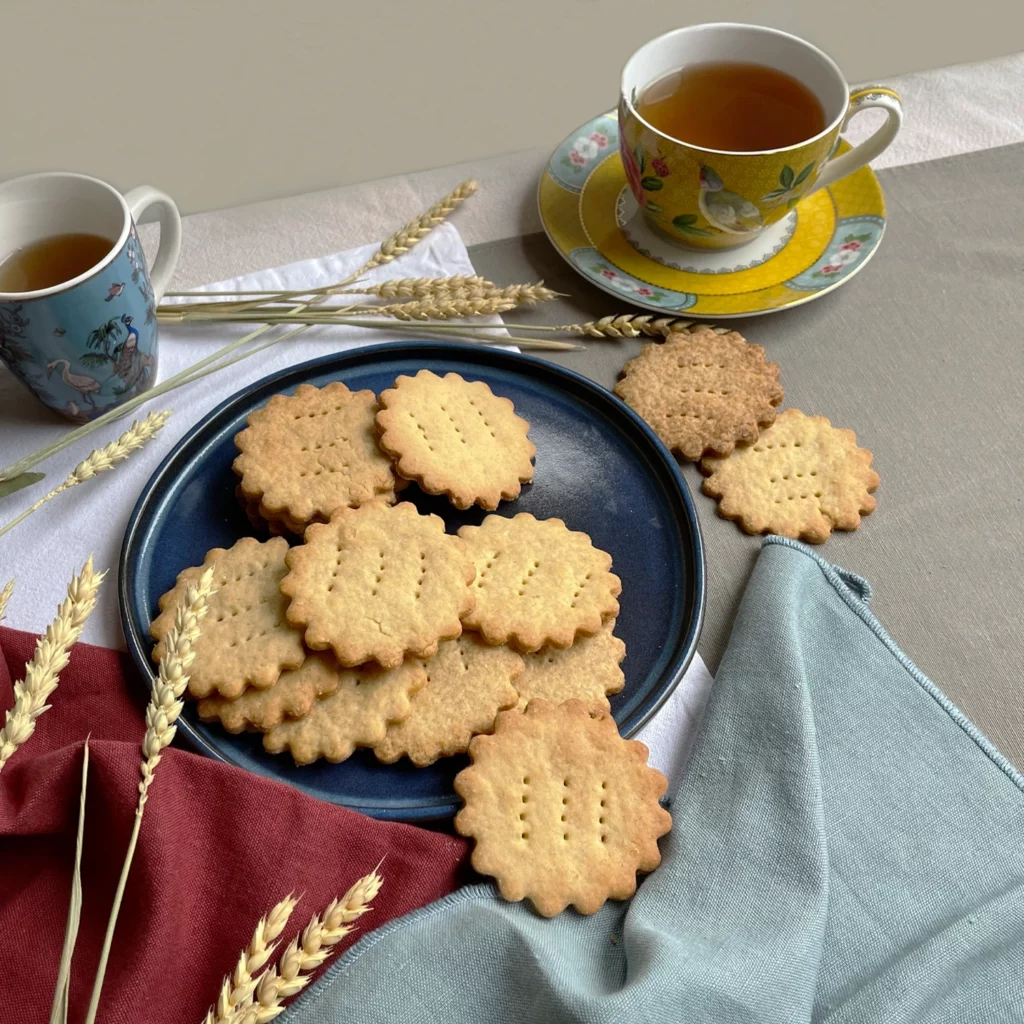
x=137, y=639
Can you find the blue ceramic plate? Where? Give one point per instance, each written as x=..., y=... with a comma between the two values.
x=599, y=468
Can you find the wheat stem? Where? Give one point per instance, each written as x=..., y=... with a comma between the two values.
x=101, y=460
x=5, y=596
x=162, y=713
x=42, y=674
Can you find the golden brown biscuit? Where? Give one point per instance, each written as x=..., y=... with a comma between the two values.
x=802, y=479
x=245, y=639
x=562, y=809
x=291, y=696
x=537, y=582
x=468, y=683
x=588, y=671
x=456, y=437
x=378, y=583
x=355, y=715
x=304, y=455
x=702, y=391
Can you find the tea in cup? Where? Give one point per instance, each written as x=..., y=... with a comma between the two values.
x=723, y=128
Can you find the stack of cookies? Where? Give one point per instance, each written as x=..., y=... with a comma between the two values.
x=377, y=628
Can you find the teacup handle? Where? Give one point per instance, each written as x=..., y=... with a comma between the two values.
x=139, y=200
x=861, y=99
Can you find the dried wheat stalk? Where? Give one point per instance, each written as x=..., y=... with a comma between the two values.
x=5, y=596
x=424, y=287
x=237, y=989
x=162, y=713
x=101, y=460
x=306, y=953
x=42, y=674
x=441, y=309
x=629, y=326
x=416, y=230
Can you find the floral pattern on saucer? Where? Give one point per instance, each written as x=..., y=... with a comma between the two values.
x=649, y=243
x=612, y=278
x=854, y=240
x=573, y=161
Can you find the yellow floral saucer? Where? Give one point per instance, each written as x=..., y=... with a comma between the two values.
x=593, y=220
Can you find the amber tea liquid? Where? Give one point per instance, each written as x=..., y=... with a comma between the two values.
x=51, y=261
x=733, y=106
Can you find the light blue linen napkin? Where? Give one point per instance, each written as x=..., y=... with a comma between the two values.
x=846, y=848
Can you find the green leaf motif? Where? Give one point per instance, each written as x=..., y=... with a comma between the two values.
x=94, y=360
x=804, y=174
x=18, y=482
x=684, y=220
x=786, y=177
x=641, y=160
x=652, y=184
x=654, y=208
x=776, y=193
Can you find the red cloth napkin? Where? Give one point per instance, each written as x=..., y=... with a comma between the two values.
x=219, y=847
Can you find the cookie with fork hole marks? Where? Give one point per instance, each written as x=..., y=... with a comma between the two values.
x=456, y=437
x=245, y=639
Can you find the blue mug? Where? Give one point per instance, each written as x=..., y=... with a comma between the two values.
x=88, y=344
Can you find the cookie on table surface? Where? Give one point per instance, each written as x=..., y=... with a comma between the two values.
x=562, y=809
x=304, y=455
x=357, y=714
x=701, y=391
x=468, y=683
x=377, y=583
x=291, y=696
x=538, y=583
x=456, y=437
x=588, y=671
x=802, y=479
x=246, y=638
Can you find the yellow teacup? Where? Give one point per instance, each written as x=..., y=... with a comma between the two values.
x=713, y=199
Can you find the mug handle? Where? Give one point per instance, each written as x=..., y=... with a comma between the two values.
x=139, y=200
x=880, y=96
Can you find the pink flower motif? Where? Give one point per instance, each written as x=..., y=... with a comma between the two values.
x=610, y=274
x=849, y=247
x=831, y=268
x=644, y=291
x=660, y=167
x=576, y=158
x=632, y=169
x=599, y=139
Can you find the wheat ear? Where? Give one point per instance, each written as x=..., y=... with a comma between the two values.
x=442, y=309
x=416, y=230
x=237, y=988
x=162, y=713
x=42, y=674
x=101, y=460
x=5, y=596
x=306, y=952
x=423, y=287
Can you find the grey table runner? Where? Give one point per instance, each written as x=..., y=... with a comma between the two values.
x=919, y=354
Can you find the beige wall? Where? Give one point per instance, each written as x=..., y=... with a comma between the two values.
x=229, y=101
